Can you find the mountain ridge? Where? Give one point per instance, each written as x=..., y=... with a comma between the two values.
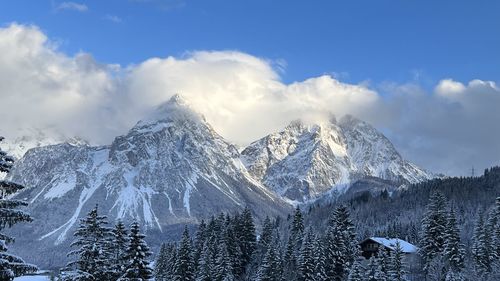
x=305, y=161
x=173, y=168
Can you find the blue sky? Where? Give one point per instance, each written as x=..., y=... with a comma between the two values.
x=379, y=41
x=407, y=67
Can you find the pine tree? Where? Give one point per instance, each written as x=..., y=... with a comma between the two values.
x=10, y=265
x=137, y=254
x=340, y=245
x=93, y=248
x=319, y=259
x=247, y=238
x=481, y=247
x=356, y=272
x=342, y=220
x=492, y=229
x=204, y=271
x=265, y=237
x=294, y=244
x=118, y=248
x=454, y=252
x=184, y=266
x=224, y=265
x=232, y=245
x=268, y=270
x=383, y=265
x=161, y=264
x=306, y=263
x=199, y=241
x=397, y=271
x=171, y=261
x=452, y=275
x=433, y=226
x=496, y=229
x=371, y=270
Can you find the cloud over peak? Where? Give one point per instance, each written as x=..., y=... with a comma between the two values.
x=241, y=95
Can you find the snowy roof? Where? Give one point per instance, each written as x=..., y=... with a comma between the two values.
x=391, y=244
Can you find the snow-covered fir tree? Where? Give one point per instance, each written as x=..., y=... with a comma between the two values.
x=495, y=222
x=293, y=246
x=269, y=268
x=265, y=238
x=205, y=265
x=493, y=232
x=481, y=248
x=306, y=263
x=138, y=268
x=199, y=241
x=371, y=269
x=397, y=269
x=93, y=248
x=434, y=225
x=224, y=264
x=163, y=270
x=356, y=272
x=319, y=259
x=10, y=265
x=245, y=233
x=119, y=245
x=184, y=265
x=383, y=262
x=340, y=245
x=454, y=252
x=453, y=275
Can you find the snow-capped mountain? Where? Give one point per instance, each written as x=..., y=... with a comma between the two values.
x=170, y=168
x=306, y=161
x=31, y=138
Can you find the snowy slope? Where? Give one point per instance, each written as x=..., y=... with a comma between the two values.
x=170, y=168
x=306, y=161
x=32, y=138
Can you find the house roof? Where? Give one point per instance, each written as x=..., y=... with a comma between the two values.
x=390, y=243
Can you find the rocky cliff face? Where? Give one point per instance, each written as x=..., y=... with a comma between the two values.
x=170, y=168
x=307, y=161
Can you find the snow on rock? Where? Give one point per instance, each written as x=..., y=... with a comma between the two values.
x=173, y=168
x=307, y=161
x=32, y=138
x=170, y=168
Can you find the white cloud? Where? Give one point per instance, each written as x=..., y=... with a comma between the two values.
x=41, y=87
x=73, y=6
x=448, y=88
x=242, y=96
x=113, y=18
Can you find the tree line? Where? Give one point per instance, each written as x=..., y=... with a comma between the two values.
x=223, y=250
x=227, y=248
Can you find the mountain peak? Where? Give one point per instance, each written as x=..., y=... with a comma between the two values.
x=178, y=99
x=307, y=160
x=177, y=108
x=349, y=121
